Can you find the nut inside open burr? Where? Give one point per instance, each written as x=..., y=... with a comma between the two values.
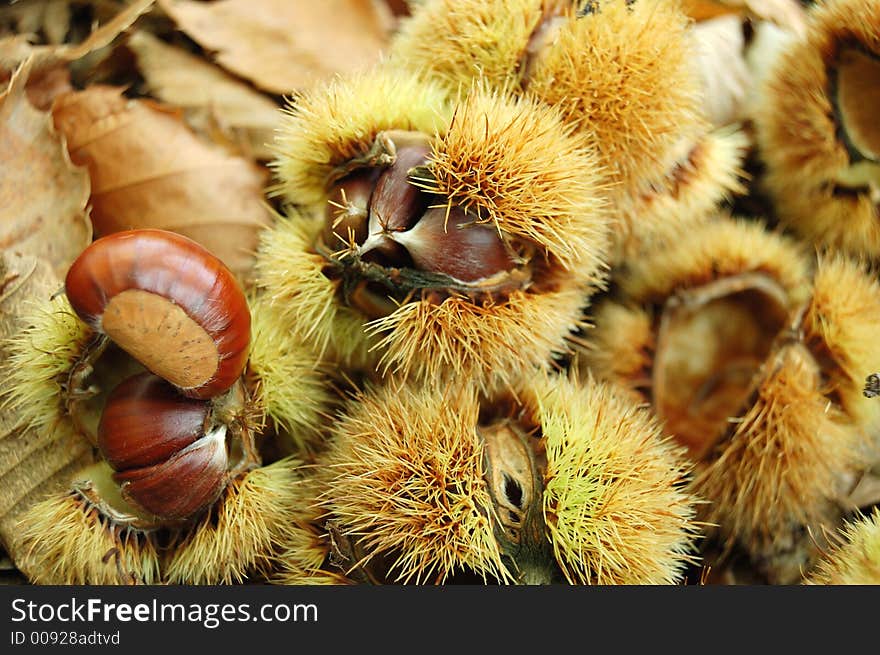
x=388, y=238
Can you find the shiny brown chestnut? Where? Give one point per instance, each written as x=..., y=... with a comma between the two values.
x=169, y=303
x=437, y=239
x=445, y=240
x=169, y=457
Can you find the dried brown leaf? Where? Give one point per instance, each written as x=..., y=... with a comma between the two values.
x=43, y=195
x=32, y=16
x=46, y=85
x=285, y=45
x=43, y=84
x=148, y=169
x=210, y=95
x=14, y=50
x=32, y=465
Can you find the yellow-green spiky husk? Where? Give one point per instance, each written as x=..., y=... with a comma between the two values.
x=516, y=165
x=491, y=344
x=41, y=356
x=619, y=347
x=337, y=121
x=708, y=177
x=775, y=479
x=855, y=560
x=614, y=502
x=406, y=481
x=65, y=540
x=621, y=344
x=840, y=326
x=716, y=249
x=240, y=535
x=804, y=157
x=302, y=559
x=625, y=73
x=460, y=41
x=290, y=385
x=302, y=299
x=512, y=161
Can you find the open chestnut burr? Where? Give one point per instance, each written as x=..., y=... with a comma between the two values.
x=178, y=311
x=822, y=171
x=432, y=240
x=178, y=490
x=754, y=356
x=560, y=482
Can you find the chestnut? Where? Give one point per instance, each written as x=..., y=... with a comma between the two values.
x=446, y=240
x=168, y=455
x=403, y=227
x=169, y=303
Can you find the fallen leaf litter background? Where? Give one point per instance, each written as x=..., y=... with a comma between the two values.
x=162, y=113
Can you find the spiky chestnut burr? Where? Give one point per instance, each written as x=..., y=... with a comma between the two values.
x=755, y=361
x=290, y=386
x=60, y=375
x=230, y=539
x=854, y=556
x=823, y=168
x=840, y=327
x=561, y=483
x=633, y=89
x=693, y=323
x=309, y=553
x=77, y=537
x=239, y=538
x=420, y=247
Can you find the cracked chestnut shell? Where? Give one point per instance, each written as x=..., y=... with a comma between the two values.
x=168, y=457
x=169, y=303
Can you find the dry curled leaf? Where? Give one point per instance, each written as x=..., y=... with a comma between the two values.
x=51, y=17
x=210, y=95
x=15, y=49
x=148, y=169
x=285, y=45
x=32, y=465
x=43, y=195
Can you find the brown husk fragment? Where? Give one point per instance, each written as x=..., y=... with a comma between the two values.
x=711, y=342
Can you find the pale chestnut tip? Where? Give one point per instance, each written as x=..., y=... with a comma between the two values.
x=168, y=457
x=169, y=303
